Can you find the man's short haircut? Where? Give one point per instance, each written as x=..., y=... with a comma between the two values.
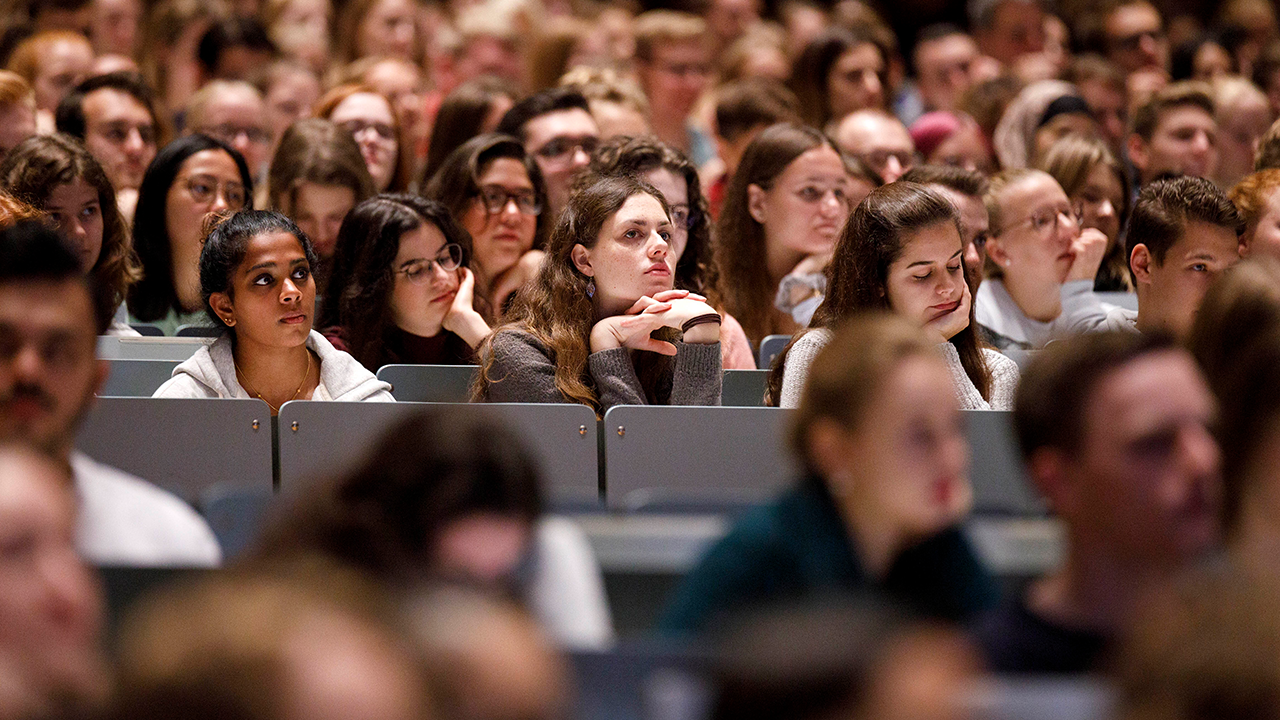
x=232, y=33
x=1179, y=94
x=198, y=104
x=933, y=33
x=966, y=182
x=982, y=13
x=1058, y=385
x=656, y=28
x=1267, y=155
x=538, y=104
x=31, y=250
x=69, y=116
x=753, y=102
x=1165, y=207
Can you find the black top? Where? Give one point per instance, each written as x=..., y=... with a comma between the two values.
x=799, y=547
x=1015, y=640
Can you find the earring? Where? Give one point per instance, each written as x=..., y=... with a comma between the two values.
x=591, y=288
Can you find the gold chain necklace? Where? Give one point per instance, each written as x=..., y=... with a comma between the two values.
x=275, y=410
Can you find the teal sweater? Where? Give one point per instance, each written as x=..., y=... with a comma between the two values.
x=799, y=547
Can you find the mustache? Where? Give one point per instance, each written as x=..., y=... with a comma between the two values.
x=25, y=391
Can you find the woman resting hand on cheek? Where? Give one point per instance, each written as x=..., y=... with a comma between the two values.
x=602, y=325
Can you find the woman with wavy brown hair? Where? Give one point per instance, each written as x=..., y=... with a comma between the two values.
x=596, y=326
x=56, y=174
x=902, y=250
x=670, y=171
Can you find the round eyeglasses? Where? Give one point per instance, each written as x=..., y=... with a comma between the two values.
x=419, y=271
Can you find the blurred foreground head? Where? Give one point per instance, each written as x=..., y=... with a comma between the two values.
x=307, y=641
x=50, y=603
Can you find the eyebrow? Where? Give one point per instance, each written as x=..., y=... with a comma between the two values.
x=930, y=262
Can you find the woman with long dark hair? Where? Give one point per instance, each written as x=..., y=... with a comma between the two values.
x=402, y=290
x=902, y=251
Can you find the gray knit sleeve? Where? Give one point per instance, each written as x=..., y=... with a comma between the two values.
x=699, y=376
x=796, y=369
x=615, y=376
x=521, y=370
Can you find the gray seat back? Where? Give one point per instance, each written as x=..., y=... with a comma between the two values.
x=770, y=346
x=324, y=439
x=137, y=378
x=429, y=383
x=111, y=347
x=664, y=457
x=1000, y=483
x=182, y=445
x=744, y=388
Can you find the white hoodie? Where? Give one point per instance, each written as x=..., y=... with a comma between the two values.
x=211, y=373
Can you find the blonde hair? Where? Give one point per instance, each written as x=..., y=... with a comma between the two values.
x=1000, y=183
x=665, y=27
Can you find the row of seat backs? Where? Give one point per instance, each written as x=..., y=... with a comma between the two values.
x=137, y=377
x=653, y=457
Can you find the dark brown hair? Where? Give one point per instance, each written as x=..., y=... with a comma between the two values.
x=875, y=236
x=1165, y=207
x=317, y=151
x=1179, y=94
x=39, y=165
x=1058, y=385
x=461, y=117
x=740, y=253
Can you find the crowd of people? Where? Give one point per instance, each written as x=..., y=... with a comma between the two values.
x=1070, y=213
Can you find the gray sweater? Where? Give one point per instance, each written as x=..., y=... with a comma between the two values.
x=1004, y=373
x=523, y=370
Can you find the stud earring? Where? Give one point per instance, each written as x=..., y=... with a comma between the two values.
x=591, y=288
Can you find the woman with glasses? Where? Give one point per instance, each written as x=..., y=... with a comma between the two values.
x=782, y=213
x=903, y=251
x=256, y=286
x=1037, y=256
x=495, y=192
x=668, y=170
x=192, y=180
x=401, y=291
x=371, y=119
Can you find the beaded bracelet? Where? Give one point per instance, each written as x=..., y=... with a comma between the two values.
x=700, y=320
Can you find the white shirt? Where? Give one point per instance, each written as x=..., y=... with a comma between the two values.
x=127, y=521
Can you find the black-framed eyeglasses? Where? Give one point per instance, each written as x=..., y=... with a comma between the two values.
x=1133, y=42
x=204, y=189
x=496, y=197
x=682, y=216
x=559, y=147
x=419, y=271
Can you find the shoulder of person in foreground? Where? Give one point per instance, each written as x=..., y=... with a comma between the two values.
x=127, y=521
x=567, y=590
x=343, y=377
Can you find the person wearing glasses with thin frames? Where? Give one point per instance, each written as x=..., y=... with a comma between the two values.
x=401, y=289
x=494, y=189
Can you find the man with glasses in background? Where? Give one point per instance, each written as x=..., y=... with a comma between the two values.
x=673, y=65
x=234, y=112
x=557, y=129
x=879, y=140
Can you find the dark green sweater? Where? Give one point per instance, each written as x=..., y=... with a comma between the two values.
x=799, y=547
